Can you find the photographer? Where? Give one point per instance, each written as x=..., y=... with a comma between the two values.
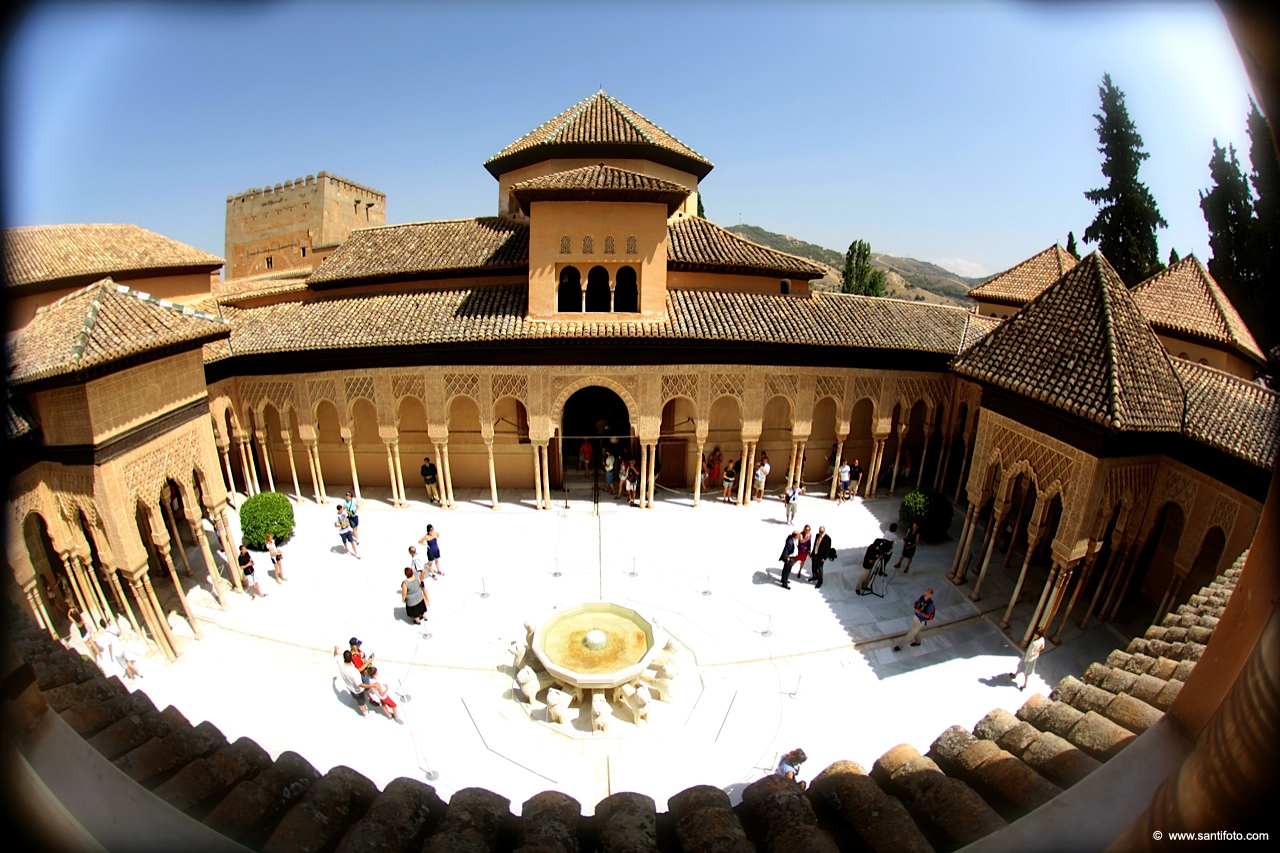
x=882, y=547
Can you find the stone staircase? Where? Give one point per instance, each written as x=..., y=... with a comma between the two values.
x=968, y=784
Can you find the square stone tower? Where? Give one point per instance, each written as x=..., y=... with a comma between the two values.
x=294, y=225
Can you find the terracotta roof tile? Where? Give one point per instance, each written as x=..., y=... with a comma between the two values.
x=18, y=421
x=99, y=324
x=599, y=120
x=1185, y=300
x=1083, y=346
x=1020, y=284
x=1230, y=413
x=428, y=249
x=696, y=244
x=267, y=284
x=599, y=183
x=42, y=254
x=496, y=313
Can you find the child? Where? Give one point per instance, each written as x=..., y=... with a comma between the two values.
x=379, y=690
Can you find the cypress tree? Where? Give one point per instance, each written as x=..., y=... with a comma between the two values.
x=1125, y=227
x=1264, y=239
x=1228, y=211
x=702, y=211
x=1071, y=245
x=1174, y=257
x=857, y=263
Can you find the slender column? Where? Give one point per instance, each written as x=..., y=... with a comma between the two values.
x=246, y=448
x=113, y=578
x=36, y=601
x=1044, y=598
x=1055, y=599
x=944, y=455
x=924, y=454
x=171, y=526
x=1118, y=548
x=493, y=474
x=1175, y=584
x=537, y=476
x=233, y=567
x=653, y=472
x=311, y=463
x=611, y=289
x=697, y=480
x=546, y=470
x=644, y=473
x=82, y=600
x=351, y=457
x=395, y=451
x=1121, y=589
x=153, y=616
x=835, y=472
x=791, y=463
x=800, y=463
x=999, y=512
x=391, y=475
x=226, y=464
x=164, y=549
x=293, y=469
x=965, y=460
x=966, y=533
x=874, y=475
x=244, y=468
x=215, y=580
x=161, y=616
x=1071, y=605
x=96, y=588
x=1013, y=537
x=747, y=477
x=448, y=475
x=897, y=458
x=1033, y=538
x=265, y=449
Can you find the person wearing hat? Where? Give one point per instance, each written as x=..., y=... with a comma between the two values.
x=360, y=661
x=351, y=679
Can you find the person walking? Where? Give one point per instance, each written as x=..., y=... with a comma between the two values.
x=909, y=543
x=633, y=482
x=379, y=690
x=610, y=462
x=1027, y=667
x=855, y=476
x=842, y=492
x=792, y=500
x=353, y=515
x=788, y=557
x=803, y=548
x=350, y=677
x=923, y=612
x=82, y=630
x=730, y=477
x=432, y=538
x=277, y=559
x=821, y=553
x=344, y=532
x=414, y=596
x=429, y=477
x=250, y=579
x=116, y=650
x=789, y=766
x=415, y=563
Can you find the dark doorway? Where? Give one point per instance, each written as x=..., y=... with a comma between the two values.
x=598, y=415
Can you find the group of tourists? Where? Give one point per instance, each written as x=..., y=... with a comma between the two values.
x=360, y=676
x=799, y=548
x=727, y=476
x=413, y=589
x=621, y=471
x=348, y=524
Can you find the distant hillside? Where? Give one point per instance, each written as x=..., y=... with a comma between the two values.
x=908, y=278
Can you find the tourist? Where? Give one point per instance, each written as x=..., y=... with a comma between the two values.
x=610, y=462
x=633, y=482
x=909, y=543
x=360, y=661
x=351, y=678
x=377, y=689
x=116, y=650
x=803, y=547
x=277, y=558
x=344, y=532
x=788, y=557
x=415, y=563
x=762, y=474
x=889, y=539
x=842, y=491
x=789, y=766
x=821, y=553
x=923, y=612
x=792, y=500
x=855, y=475
x=80, y=626
x=353, y=515
x=730, y=477
x=428, y=472
x=432, y=538
x=250, y=579
x=414, y=596
x=1027, y=667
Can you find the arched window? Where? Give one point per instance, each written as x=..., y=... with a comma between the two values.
x=598, y=291
x=569, y=296
x=786, y=286
x=626, y=295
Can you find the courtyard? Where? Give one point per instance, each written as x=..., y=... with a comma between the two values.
x=762, y=669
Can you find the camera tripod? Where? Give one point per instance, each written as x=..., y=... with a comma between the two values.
x=881, y=577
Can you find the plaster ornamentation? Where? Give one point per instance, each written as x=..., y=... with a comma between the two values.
x=679, y=385
x=780, y=384
x=359, y=386
x=511, y=385
x=727, y=384
x=408, y=385
x=1223, y=513
x=461, y=383
x=826, y=385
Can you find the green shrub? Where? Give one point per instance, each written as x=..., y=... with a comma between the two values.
x=931, y=510
x=268, y=512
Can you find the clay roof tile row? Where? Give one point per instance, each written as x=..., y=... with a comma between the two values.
x=44, y=254
x=1185, y=300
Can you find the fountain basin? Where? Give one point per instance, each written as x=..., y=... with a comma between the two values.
x=561, y=643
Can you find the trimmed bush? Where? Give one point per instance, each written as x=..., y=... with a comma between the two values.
x=931, y=510
x=267, y=512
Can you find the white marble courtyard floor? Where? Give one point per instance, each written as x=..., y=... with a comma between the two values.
x=778, y=668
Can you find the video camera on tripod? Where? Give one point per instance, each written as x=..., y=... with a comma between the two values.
x=876, y=560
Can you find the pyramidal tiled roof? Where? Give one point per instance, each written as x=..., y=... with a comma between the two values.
x=1083, y=346
x=1020, y=284
x=1185, y=300
x=600, y=183
x=43, y=254
x=694, y=243
x=103, y=323
x=1232, y=414
x=598, y=123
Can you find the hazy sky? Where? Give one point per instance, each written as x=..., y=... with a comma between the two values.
x=960, y=133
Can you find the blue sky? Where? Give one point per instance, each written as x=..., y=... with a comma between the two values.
x=958, y=133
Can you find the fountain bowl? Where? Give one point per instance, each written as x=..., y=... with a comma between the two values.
x=560, y=643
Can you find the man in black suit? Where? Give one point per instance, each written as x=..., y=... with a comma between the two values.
x=788, y=557
x=821, y=553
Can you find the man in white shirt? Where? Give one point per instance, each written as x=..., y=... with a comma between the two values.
x=351, y=680
x=116, y=650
